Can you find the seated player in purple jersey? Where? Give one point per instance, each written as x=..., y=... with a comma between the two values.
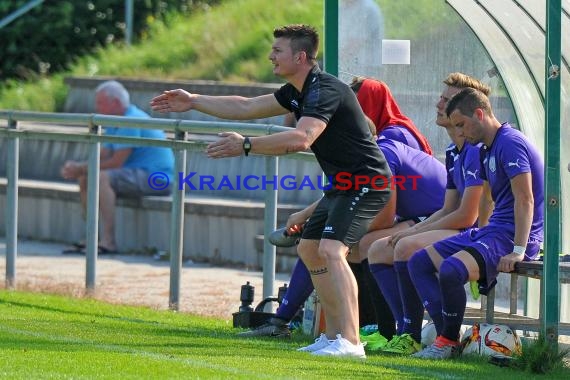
x=406, y=207
x=388, y=121
x=459, y=211
x=514, y=170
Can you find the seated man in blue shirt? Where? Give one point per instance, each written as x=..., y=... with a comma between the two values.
x=125, y=168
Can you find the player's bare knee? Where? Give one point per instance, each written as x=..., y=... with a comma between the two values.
x=327, y=254
x=308, y=253
x=405, y=248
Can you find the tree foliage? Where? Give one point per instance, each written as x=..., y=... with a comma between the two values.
x=48, y=38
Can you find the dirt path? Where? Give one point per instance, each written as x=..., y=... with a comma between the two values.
x=133, y=280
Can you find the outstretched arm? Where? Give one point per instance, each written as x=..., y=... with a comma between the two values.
x=225, y=107
x=296, y=140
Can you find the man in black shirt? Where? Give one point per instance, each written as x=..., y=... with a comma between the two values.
x=331, y=123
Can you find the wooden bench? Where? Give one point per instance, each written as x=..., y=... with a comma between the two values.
x=487, y=311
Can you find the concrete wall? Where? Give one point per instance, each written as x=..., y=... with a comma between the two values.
x=81, y=96
x=219, y=231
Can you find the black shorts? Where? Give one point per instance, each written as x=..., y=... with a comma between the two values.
x=415, y=219
x=345, y=216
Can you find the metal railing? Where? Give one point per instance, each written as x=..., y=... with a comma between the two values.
x=19, y=12
x=180, y=145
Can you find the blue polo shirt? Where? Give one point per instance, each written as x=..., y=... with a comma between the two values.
x=149, y=158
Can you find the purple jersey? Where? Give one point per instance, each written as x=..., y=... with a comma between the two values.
x=511, y=154
x=401, y=134
x=463, y=167
x=423, y=190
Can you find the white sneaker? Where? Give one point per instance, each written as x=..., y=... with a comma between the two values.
x=342, y=347
x=321, y=342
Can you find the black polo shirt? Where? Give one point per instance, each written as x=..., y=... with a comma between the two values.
x=346, y=144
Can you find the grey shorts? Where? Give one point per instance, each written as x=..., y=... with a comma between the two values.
x=133, y=183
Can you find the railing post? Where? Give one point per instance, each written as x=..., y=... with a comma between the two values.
x=12, y=164
x=269, y=225
x=550, y=286
x=177, y=223
x=92, y=225
x=19, y=12
x=331, y=37
x=129, y=22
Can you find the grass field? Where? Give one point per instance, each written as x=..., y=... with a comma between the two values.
x=52, y=337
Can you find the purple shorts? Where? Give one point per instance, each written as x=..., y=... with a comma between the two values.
x=492, y=243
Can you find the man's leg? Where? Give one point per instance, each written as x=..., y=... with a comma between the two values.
x=412, y=306
x=373, y=308
x=300, y=288
x=344, y=295
x=455, y=266
x=340, y=221
x=454, y=272
x=365, y=308
x=382, y=313
x=335, y=285
x=380, y=258
x=83, y=194
x=107, y=199
x=423, y=273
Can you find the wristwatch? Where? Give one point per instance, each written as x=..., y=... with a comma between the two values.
x=246, y=146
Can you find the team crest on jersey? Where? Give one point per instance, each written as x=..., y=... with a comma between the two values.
x=492, y=164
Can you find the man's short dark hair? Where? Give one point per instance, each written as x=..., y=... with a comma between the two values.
x=467, y=101
x=303, y=38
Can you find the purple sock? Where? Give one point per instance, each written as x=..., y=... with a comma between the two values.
x=423, y=275
x=385, y=277
x=412, y=307
x=300, y=288
x=452, y=277
x=382, y=313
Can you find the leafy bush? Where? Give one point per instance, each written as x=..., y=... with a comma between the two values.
x=54, y=34
x=541, y=356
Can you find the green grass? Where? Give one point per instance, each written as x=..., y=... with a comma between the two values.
x=228, y=42
x=45, y=336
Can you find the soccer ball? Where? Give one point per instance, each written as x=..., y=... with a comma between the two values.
x=428, y=334
x=471, y=340
x=491, y=340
